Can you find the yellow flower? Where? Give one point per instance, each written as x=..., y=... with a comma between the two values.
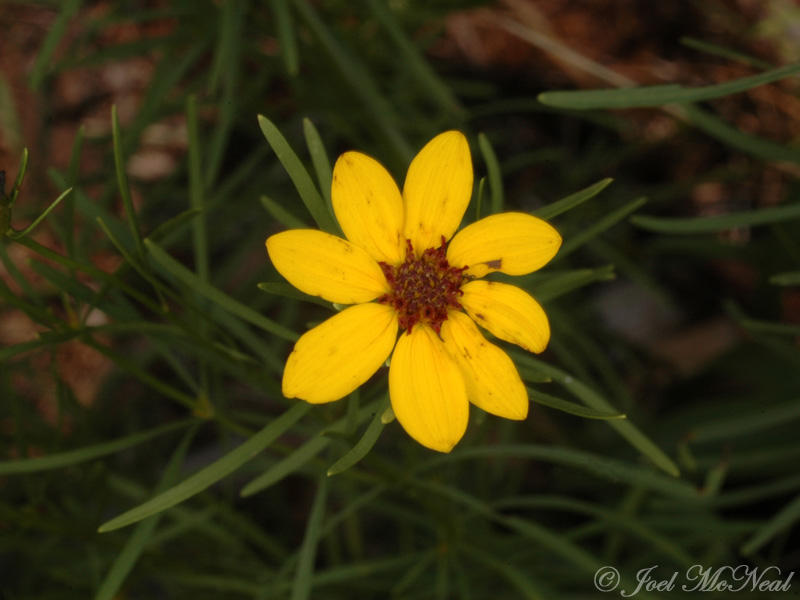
x=397, y=271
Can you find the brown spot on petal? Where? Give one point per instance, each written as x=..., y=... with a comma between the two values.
x=494, y=264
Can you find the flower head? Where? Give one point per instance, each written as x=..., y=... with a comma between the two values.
x=398, y=271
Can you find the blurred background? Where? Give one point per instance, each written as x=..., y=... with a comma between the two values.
x=674, y=299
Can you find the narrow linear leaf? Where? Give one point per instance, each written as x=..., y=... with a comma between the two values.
x=412, y=59
x=519, y=579
x=572, y=408
x=496, y=200
x=591, y=398
x=611, y=219
x=20, y=234
x=212, y=473
x=660, y=94
x=301, y=590
x=788, y=278
x=299, y=457
x=122, y=181
x=762, y=216
x=286, y=39
x=606, y=468
x=355, y=74
x=281, y=215
x=74, y=457
x=283, y=289
x=750, y=144
x=299, y=176
x=196, y=196
x=286, y=466
x=56, y=31
x=784, y=519
x=749, y=423
x=194, y=283
x=724, y=52
x=320, y=160
x=363, y=445
x=565, y=204
x=563, y=283
x=126, y=559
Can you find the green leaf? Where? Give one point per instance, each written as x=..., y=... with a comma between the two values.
x=608, y=221
x=122, y=182
x=565, y=204
x=609, y=469
x=280, y=214
x=301, y=590
x=283, y=289
x=496, y=200
x=789, y=278
x=20, y=234
x=196, y=195
x=217, y=470
x=762, y=216
x=55, y=32
x=572, y=408
x=594, y=400
x=363, y=445
x=291, y=463
x=751, y=144
x=356, y=75
x=783, y=520
x=74, y=457
x=299, y=176
x=749, y=423
x=563, y=283
x=320, y=160
x=724, y=52
x=192, y=282
x=660, y=94
x=133, y=548
x=286, y=39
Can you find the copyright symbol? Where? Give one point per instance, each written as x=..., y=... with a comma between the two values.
x=606, y=579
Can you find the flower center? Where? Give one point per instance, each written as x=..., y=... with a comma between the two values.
x=424, y=287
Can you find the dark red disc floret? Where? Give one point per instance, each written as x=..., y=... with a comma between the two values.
x=423, y=287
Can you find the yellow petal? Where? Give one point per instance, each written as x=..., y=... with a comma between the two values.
x=324, y=265
x=513, y=243
x=491, y=379
x=507, y=312
x=427, y=390
x=368, y=206
x=437, y=190
x=338, y=355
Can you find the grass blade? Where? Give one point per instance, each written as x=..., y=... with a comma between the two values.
x=211, y=474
